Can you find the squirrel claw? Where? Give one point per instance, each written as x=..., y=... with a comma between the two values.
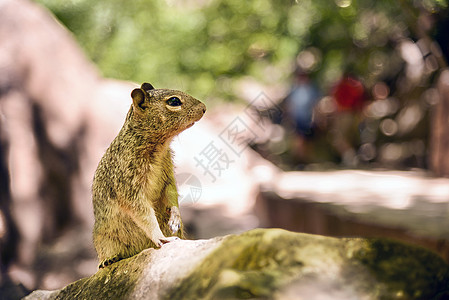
x=169, y=239
x=109, y=262
x=166, y=240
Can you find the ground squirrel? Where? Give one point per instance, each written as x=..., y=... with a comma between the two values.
x=134, y=192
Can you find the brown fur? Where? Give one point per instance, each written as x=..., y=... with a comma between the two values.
x=134, y=197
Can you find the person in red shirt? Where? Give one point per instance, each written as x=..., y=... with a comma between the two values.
x=349, y=97
x=349, y=94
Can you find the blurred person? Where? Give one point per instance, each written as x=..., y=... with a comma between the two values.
x=349, y=97
x=298, y=109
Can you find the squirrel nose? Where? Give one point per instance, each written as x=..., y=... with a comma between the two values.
x=204, y=107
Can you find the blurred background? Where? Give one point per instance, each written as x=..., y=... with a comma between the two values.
x=325, y=117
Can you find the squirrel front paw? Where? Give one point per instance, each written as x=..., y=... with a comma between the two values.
x=175, y=219
x=158, y=238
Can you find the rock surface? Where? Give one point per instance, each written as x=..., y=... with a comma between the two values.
x=269, y=264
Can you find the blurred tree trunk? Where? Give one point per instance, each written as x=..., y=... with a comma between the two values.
x=439, y=139
x=439, y=134
x=45, y=81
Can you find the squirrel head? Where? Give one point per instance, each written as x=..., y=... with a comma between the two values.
x=164, y=113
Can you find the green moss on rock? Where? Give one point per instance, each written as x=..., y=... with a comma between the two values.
x=408, y=272
x=114, y=282
x=266, y=262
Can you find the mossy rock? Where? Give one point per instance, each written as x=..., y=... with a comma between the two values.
x=269, y=264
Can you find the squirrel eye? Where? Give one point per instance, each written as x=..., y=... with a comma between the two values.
x=174, y=101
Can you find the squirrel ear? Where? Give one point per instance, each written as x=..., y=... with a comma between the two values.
x=138, y=98
x=147, y=86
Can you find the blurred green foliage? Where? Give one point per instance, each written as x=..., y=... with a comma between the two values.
x=205, y=46
x=210, y=47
